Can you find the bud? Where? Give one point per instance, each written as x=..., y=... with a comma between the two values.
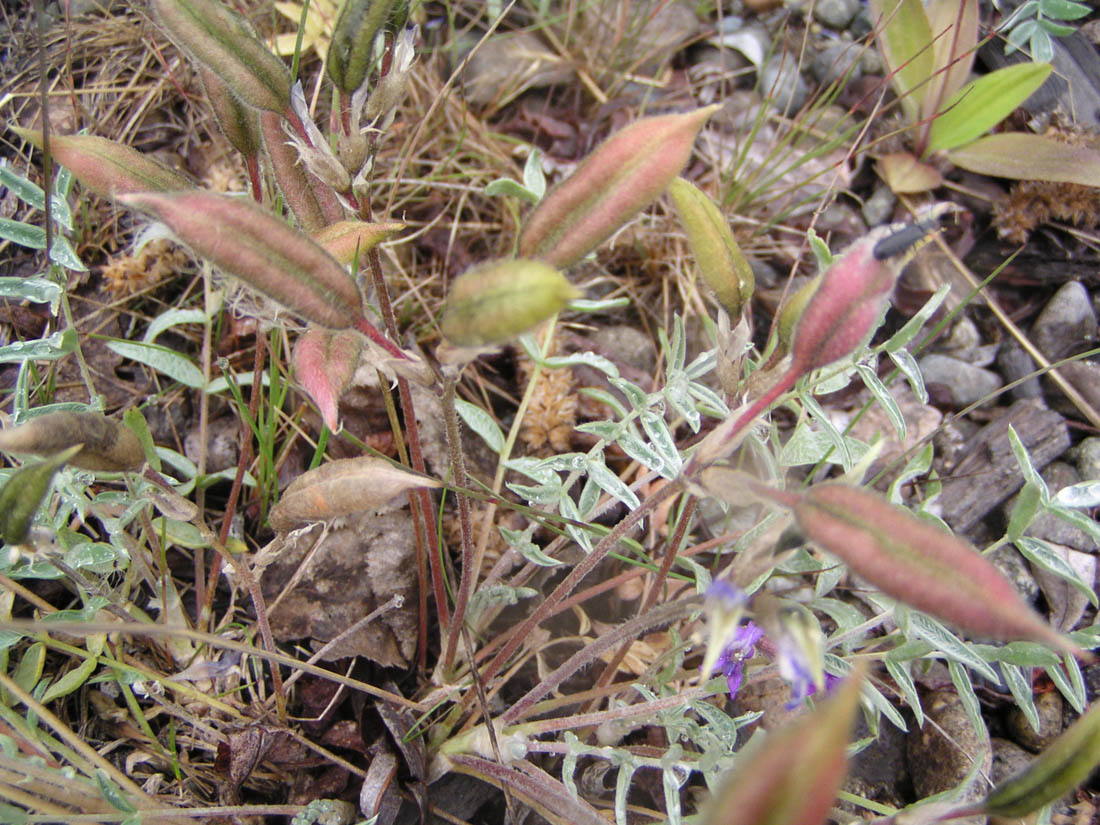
x=720, y=260
x=245, y=241
x=349, y=56
x=313, y=204
x=620, y=178
x=495, y=302
x=313, y=148
x=107, y=445
x=344, y=240
x=1065, y=764
x=222, y=40
x=107, y=168
x=917, y=562
x=237, y=121
x=23, y=493
x=340, y=488
x=791, y=312
x=791, y=777
x=324, y=363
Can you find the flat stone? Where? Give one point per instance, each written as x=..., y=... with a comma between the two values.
x=1066, y=323
x=1049, y=707
x=836, y=14
x=956, y=382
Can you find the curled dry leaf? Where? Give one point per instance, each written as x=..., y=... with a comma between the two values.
x=341, y=488
x=108, y=445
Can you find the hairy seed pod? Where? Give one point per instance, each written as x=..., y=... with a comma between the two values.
x=107, y=168
x=626, y=173
x=344, y=240
x=245, y=241
x=721, y=263
x=340, y=488
x=353, y=36
x=497, y=301
x=237, y=121
x=918, y=563
x=108, y=445
x=220, y=39
x=313, y=204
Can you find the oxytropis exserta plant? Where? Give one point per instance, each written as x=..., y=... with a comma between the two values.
x=313, y=269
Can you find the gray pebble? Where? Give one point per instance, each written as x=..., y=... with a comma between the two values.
x=781, y=83
x=939, y=761
x=1014, y=567
x=1013, y=363
x=1066, y=322
x=1088, y=458
x=957, y=381
x=836, y=61
x=1009, y=759
x=1049, y=707
x=836, y=13
x=879, y=207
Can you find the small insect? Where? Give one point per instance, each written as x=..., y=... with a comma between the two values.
x=905, y=239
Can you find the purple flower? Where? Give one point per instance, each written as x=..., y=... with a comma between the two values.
x=737, y=651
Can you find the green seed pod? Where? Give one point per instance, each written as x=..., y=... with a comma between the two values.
x=721, y=263
x=220, y=39
x=353, y=36
x=626, y=173
x=237, y=121
x=245, y=241
x=497, y=301
x=108, y=446
x=1065, y=764
x=107, y=168
x=22, y=495
x=791, y=311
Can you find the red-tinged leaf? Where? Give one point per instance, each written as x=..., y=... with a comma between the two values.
x=1022, y=156
x=793, y=776
x=626, y=173
x=905, y=175
x=918, y=563
x=324, y=363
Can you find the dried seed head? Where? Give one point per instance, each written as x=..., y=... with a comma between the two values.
x=495, y=302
